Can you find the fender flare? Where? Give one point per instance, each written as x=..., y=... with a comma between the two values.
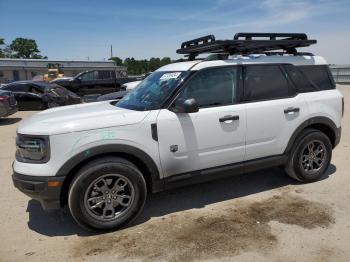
x=314, y=120
x=86, y=155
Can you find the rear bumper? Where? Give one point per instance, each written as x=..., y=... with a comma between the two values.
x=40, y=189
x=7, y=111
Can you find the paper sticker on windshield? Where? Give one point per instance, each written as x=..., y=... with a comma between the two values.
x=168, y=76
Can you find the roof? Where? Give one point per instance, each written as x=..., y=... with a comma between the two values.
x=43, y=63
x=251, y=59
x=39, y=84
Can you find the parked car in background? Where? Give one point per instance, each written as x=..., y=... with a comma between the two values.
x=95, y=83
x=33, y=95
x=8, y=103
x=131, y=85
x=127, y=87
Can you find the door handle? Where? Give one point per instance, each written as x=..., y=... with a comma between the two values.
x=228, y=118
x=291, y=110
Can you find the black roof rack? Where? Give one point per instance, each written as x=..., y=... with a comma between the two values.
x=246, y=43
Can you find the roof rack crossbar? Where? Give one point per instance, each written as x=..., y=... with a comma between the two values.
x=253, y=43
x=272, y=36
x=197, y=41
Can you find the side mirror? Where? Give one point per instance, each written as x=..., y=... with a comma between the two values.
x=190, y=105
x=187, y=106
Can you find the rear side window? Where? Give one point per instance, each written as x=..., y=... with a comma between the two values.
x=319, y=75
x=263, y=82
x=18, y=88
x=301, y=83
x=104, y=75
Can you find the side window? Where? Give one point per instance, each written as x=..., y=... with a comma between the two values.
x=301, y=83
x=319, y=75
x=262, y=82
x=212, y=87
x=88, y=76
x=17, y=88
x=104, y=75
x=36, y=90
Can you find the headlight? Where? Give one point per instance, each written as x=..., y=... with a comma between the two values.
x=32, y=149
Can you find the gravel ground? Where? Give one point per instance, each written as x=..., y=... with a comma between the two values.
x=263, y=216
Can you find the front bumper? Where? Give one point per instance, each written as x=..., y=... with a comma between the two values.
x=47, y=190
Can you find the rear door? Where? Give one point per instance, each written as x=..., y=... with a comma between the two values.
x=215, y=135
x=105, y=82
x=274, y=110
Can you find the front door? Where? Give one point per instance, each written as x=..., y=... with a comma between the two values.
x=214, y=136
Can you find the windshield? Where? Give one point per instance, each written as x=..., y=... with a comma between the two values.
x=152, y=91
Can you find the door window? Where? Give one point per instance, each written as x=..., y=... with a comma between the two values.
x=212, y=87
x=88, y=76
x=264, y=82
x=301, y=83
x=103, y=75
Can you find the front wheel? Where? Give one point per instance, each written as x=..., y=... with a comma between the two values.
x=310, y=156
x=107, y=194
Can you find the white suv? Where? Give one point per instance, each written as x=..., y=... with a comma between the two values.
x=187, y=122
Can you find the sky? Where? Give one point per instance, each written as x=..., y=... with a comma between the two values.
x=84, y=29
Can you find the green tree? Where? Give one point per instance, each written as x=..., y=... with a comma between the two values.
x=165, y=61
x=118, y=61
x=25, y=48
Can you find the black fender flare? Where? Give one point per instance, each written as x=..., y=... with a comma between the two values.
x=314, y=120
x=91, y=153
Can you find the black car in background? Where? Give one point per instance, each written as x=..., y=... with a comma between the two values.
x=92, y=84
x=8, y=103
x=33, y=95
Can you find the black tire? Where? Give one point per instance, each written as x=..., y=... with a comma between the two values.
x=299, y=167
x=85, y=182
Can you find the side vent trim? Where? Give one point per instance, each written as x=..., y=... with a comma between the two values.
x=154, y=132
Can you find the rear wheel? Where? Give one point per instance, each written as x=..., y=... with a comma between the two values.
x=107, y=194
x=310, y=156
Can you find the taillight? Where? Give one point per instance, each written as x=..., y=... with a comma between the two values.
x=3, y=98
x=342, y=106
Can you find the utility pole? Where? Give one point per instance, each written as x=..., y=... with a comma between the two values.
x=111, y=51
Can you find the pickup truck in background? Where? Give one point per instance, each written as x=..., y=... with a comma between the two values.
x=91, y=84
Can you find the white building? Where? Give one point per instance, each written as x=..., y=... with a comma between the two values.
x=26, y=69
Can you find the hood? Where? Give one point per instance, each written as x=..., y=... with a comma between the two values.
x=79, y=118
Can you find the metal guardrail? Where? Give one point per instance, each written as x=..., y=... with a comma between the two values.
x=341, y=74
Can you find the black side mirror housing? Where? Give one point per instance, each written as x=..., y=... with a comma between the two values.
x=187, y=106
x=190, y=105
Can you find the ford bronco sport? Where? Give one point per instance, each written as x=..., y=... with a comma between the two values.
x=255, y=102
